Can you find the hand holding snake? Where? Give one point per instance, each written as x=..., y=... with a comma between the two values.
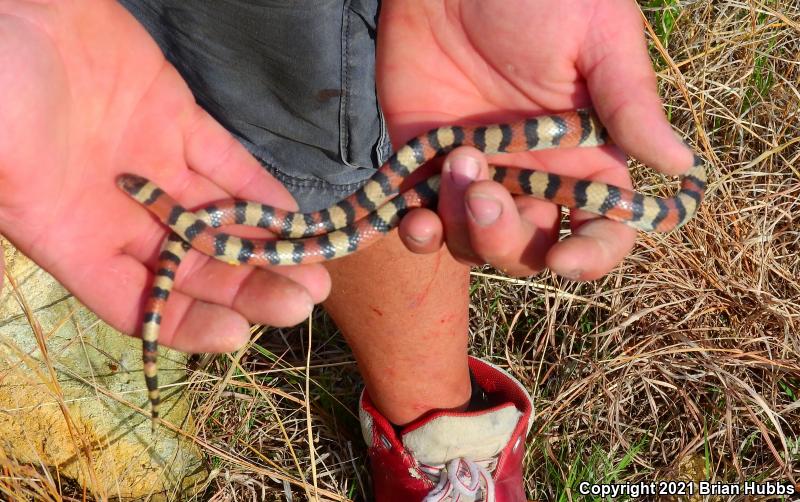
x=376, y=208
x=71, y=125
x=497, y=61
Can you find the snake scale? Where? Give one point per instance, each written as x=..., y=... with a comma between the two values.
x=378, y=206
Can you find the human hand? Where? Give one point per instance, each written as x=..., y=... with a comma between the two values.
x=87, y=95
x=479, y=62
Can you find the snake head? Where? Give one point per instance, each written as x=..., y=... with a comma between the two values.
x=131, y=183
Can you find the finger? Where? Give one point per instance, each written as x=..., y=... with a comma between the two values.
x=116, y=288
x=220, y=282
x=262, y=296
x=239, y=287
x=193, y=326
x=597, y=244
x=499, y=233
x=421, y=231
x=212, y=152
x=592, y=250
x=461, y=168
x=145, y=235
x=622, y=84
x=314, y=278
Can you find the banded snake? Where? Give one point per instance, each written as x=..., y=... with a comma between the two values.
x=377, y=207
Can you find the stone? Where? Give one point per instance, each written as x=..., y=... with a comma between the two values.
x=72, y=409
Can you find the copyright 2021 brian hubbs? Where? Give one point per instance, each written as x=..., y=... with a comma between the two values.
x=687, y=488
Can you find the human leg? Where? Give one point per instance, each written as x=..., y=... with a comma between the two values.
x=405, y=318
x=438, y=424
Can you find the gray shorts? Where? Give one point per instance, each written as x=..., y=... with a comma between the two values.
x=293, y=80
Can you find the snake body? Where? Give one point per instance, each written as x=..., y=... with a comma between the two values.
x=378, y=206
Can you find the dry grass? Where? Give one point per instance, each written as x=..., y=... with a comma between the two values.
x=682, y=363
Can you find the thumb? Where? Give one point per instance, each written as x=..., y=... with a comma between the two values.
x=615, y=63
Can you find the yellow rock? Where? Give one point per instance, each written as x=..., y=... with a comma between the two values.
x=73, y=409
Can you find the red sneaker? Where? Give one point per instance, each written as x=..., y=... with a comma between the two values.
x=466, y=456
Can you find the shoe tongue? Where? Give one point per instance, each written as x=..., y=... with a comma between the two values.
x=445, y=436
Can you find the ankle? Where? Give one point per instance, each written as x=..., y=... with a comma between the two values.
x=401, y=412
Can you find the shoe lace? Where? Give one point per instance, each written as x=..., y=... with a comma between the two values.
x=461, y=480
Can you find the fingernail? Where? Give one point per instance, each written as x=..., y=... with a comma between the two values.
x=421, y=238
x=310, y=306
x=463, y=170
x=574, y=274
x=484, y=209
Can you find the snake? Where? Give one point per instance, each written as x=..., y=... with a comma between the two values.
x=378, y=206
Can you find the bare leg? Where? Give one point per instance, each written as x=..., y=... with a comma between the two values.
x=405, y=317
